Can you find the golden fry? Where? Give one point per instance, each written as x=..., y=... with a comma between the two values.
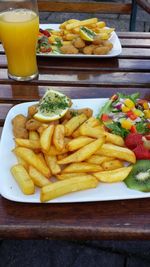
x=52, y=164
x=114, y=139
x=64, y=176
x=33, y=144
x=58, y=136
x=54, y=151
x=112, y=164
x=113, y=176
x=82, y=167
x=38, y=178
x=22, y=162
x=100, y=24
x=74, y=123
x=78, y=142
x=33, y=135
x=23, y=179
x=97, y=159
x=89, y=122
x=81, y=23
x=84, y=152
x=122, y=153
x=32, y=159
x=91, y=131
x=63, y=187
x=41, y=157
x=62, y=156
x=46, y=137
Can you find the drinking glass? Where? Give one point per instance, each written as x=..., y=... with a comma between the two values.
x=19, y=26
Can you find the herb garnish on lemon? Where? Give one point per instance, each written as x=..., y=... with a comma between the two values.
x=87, y=34
x=52, y=106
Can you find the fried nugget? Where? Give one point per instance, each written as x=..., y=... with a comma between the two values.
x=74, y=112
x=19, y=126
x=98, y=40
x=88, y=50
x=101, y=50
x=32, y=110
x=32, y=125
x=69, y=49
x=78, y=42
x=108, y=44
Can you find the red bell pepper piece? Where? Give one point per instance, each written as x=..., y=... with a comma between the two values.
x=105, y=117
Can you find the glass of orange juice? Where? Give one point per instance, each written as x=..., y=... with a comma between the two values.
x=19, y=26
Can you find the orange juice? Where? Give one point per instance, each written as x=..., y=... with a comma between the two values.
x=19, y=31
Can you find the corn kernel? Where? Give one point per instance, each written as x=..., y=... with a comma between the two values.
x=51, y=39
x=124, y=108
x=147, y=114
x=145, y=105
x=129, y=103
x=126, y=124
x=138, y=112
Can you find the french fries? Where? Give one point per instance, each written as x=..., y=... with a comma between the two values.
x=112, y=176
x=97, y=159
x=52, y=164
x=38, y=178
x=76, y=24
x=32, y=159
x=46, y=137
x=32, y=144
x=33, y=135
x=84, y=152
x=118, y=152
x=23, y=179
x=58, y=137
x=64, y=176
x=82, y=167
x=71, y=154
x=112, y=164
x=78, y=142
x=63, y=187
x=74, y=123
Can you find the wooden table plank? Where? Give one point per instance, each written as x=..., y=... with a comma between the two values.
x=119, y=220
x=135, y=53
x=116, y=64
x=134, y=35
x=15, y=93
x=138, y=43
x=88, y=78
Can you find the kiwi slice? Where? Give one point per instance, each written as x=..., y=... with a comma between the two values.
x=139, y=177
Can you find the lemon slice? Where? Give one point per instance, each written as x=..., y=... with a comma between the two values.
x=52, y=106
x=86, y=34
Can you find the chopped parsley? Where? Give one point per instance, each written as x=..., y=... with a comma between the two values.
x=53, y=103
x=89, y=32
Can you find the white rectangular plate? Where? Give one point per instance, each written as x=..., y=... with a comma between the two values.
x=116, y=50
x=9, y=188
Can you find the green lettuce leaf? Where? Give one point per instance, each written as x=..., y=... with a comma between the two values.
x=116, y=128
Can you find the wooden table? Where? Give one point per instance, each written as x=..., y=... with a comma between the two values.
x=80, y=78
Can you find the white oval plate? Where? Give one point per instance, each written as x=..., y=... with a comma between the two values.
x=9, y=188
x=116, y=50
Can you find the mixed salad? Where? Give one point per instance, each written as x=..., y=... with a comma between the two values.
x=129, y=117
x=46, y=45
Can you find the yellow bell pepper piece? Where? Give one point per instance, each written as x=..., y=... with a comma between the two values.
x=129, y=103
